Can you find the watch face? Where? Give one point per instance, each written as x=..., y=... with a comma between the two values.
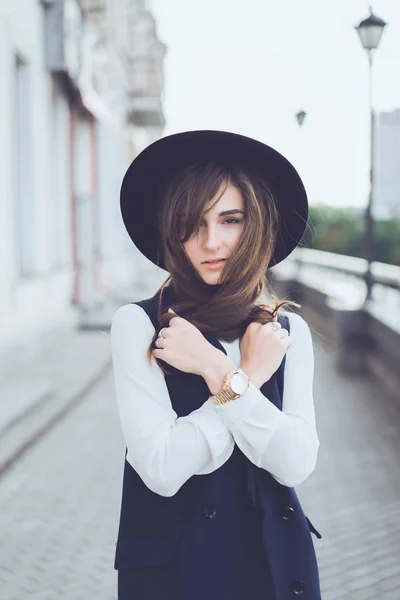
x=238, y=383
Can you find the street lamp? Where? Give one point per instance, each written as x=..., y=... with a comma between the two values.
x=300, y=116
x=370, y=31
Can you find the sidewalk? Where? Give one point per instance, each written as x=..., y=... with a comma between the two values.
x=46, y=386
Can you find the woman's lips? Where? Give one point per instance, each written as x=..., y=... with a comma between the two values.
x=214, y=265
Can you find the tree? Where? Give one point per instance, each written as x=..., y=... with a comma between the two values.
x=341, y=230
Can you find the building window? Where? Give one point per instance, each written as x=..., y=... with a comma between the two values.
x=23, y=169
x=59, y=201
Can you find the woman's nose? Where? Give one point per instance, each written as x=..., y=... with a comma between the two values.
x=212, y=238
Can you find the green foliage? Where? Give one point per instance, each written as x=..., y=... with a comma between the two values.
x=341, y=230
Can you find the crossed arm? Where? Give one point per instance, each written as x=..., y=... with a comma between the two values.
x=166, y=450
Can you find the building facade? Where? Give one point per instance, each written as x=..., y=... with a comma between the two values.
x=387, y=165
x=81, y=95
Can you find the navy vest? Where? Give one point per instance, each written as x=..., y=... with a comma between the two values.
x=185, y=546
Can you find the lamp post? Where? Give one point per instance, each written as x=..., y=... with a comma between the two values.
x=370, y=31
x=300, y=116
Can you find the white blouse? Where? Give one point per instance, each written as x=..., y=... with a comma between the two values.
x=166, y=450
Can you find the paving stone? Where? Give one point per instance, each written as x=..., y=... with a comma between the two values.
x=390, y=583
x=370, y=593
x=334, y=593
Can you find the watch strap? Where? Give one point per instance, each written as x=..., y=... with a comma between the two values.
x=227, y=394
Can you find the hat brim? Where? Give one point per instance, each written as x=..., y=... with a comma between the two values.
x=144, y=181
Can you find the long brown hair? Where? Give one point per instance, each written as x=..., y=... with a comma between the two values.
x=244, y=293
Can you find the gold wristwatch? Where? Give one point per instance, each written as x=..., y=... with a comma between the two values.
x=234, y=386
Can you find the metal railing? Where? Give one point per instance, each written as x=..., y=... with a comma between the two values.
x=341, y=277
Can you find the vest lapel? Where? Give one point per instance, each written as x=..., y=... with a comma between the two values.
x=212, y=339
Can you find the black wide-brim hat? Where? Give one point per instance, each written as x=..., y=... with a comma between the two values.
x=149, y=173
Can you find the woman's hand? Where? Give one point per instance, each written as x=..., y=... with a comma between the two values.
x=262, y=350
x=185, y=348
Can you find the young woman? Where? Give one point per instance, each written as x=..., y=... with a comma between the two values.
x=214, y=380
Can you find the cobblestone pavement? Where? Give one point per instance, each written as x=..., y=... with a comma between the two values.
x=353, y=496
x=59, y=508
x=59, y=504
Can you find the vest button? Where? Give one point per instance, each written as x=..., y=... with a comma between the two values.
x=298, y=587
x=288, y=513
x=209, y=511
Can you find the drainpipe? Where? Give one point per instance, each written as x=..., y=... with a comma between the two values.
x=95, y=204
x=74, y=228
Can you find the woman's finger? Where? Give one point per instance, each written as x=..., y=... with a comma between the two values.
x=283, y=333
x=273, y=325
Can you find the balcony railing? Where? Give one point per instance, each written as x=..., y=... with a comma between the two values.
x=146, y=111
x=94, y=7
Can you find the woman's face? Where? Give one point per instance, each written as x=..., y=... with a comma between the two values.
x=217, y=236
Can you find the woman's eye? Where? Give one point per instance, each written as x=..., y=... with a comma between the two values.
x=229, y=221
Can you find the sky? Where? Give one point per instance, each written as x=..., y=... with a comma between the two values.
x=250, y=66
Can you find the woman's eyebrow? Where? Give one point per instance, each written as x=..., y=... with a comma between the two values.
x=231, y=211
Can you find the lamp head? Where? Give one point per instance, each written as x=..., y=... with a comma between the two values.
x=300, y=116
x=370, y=31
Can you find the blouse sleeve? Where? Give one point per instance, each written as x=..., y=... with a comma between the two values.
x=285, y=443
x=165, y=450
